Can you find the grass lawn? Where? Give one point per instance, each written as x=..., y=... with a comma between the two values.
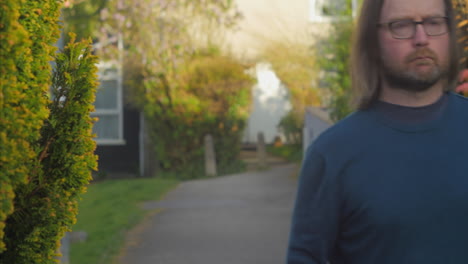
x=107, y=211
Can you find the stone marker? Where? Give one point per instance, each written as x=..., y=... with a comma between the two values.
x=65, y=249
x=70, y=237
x=210, y=157
x=261, y=151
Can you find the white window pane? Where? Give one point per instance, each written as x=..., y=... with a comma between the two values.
x=106, y=96
x=107, y=127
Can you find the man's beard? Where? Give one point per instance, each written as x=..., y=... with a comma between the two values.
x=410, y=79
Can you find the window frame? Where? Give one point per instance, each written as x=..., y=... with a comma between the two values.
x=118, y=111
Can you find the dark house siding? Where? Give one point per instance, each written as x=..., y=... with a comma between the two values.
x=115, y=161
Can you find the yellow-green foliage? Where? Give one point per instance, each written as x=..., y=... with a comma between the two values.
x=45, y=160
x=294, y=63
x=333, y=59
x=461, y=7
x=24, y=81
x=45, y=208
x=224, y=89
x=211, y=96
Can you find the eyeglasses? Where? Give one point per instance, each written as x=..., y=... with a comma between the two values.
x=405, y=29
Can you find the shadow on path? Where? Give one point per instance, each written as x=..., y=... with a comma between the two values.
x=236, y=219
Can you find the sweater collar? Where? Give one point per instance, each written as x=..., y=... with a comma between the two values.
x=412, y=119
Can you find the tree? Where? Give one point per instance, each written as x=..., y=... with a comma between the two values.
x=162, y=63
x=82, y=17
x=163, y=41
x=333, y=60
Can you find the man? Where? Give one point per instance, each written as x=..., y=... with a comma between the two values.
x=389, y=183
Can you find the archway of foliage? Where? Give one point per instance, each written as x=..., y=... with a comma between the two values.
x=294, y=62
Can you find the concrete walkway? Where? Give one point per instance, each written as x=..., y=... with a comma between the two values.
x=236, y=219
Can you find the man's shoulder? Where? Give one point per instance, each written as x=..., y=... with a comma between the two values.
x=348, y=131
x=459, y=109
x=461, y=101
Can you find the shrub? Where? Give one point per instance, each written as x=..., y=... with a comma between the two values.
x=26, y=33
x=212, y=97
x=45, y=207
x=291, y=125
x=334, y=61
x=46, y=160
x=461, y=6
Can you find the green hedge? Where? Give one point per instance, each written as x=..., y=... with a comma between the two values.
x=333, y=58
x=46, y=160
x=212, y=98
x=24, y=81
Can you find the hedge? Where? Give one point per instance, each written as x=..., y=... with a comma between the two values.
x=47, y=148
x=212, y=97
x=24, y=81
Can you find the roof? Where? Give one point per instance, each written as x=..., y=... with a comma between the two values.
x=321, y=113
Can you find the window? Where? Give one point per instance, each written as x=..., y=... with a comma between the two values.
x=108, y=106
x=329, y=10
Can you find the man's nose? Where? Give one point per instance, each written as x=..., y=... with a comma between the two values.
x=420, y=37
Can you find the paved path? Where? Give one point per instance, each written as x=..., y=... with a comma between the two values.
x=236, y=219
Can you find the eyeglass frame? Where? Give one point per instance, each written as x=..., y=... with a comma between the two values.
x=414, y=24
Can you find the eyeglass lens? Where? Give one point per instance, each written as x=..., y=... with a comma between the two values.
x=407, y=28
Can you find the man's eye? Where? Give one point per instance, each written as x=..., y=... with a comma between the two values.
x=434, y=22
x=401, y=24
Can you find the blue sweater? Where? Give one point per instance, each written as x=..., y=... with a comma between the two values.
x=373, y=190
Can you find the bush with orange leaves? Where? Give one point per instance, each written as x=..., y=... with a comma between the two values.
x=462, y=88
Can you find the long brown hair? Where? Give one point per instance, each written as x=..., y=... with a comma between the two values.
x=365, y=57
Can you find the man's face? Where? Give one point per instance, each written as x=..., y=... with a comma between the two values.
x=416, y=63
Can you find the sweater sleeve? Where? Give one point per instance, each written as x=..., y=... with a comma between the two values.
x=315, y=219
